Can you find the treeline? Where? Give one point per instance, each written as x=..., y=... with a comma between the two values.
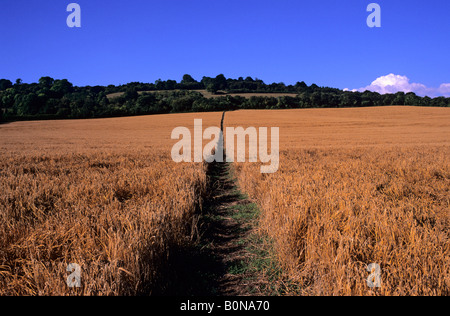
x=60, y=99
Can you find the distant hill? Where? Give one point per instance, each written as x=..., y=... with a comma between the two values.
x=218, y=94
x=60, y=99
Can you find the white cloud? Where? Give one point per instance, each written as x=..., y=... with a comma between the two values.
x=445, y=88
x=395, y=83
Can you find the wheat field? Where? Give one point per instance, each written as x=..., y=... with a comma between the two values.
x=103, y=194
x=356, y=187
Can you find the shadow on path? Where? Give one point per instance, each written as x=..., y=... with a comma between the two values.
x=210, y=267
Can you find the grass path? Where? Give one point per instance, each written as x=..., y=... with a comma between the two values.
x=230, y=223
x=230, y=258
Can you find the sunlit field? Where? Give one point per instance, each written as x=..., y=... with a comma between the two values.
x=356, y=187
x=104, y=194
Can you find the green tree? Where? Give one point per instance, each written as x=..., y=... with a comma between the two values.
x=8, y=98
x=171, y=85
x=5, y=84
x=300, y=86
x=221, y=82
x=147, y=103
x=46, y=82
x=190, y=83
x=29, y=104
x=399, y=99
x=316, y=99
x=160, y=85
x=187, y=79
x=182, y=104
x=314, y=87
x=51, y=106
x=412, y=99
x=130, y=94
x=62, y=87
x=439, y=101
x=367, y=98
x=213, y=87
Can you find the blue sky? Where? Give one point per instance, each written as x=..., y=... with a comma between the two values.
x=325, y=42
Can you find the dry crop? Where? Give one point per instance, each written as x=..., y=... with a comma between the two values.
x=355, y=187
x=103, y=194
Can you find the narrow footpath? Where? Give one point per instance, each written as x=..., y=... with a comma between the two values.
x=228, y=259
